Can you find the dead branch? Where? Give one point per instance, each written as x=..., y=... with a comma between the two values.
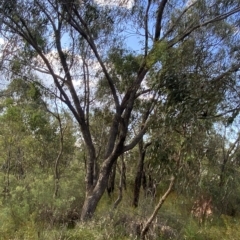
x=147, y=225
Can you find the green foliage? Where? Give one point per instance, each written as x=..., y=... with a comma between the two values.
x=31, y=208
x=29, y=143
x=16, y=66
x=124, y=66
x=158, y=53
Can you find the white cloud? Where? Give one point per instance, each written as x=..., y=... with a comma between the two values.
x=191, y=2
x=76, y=70
x=120, y=3
x=1, y=41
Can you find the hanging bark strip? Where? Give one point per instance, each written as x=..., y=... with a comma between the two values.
x=147, y=225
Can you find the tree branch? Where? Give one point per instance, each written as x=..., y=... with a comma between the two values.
x=177, y=20
x=234, y=68
x=159, y=19
x=155, y=212
x=189, y=31
x=146, y=27
x=87, y=36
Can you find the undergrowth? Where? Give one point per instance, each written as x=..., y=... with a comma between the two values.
x=31, y=213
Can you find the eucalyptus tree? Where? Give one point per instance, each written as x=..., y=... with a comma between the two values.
x=69, y=43
x=31, y=133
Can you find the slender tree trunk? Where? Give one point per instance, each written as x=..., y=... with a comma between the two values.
x=57, y=161
x=124, y=181
x=56, y=167
x=19, y=161
x=222, y=173
x=111, y=180
x=149, y=182
x=120, y=187
x=6, y=177
x=139, y=174
x=144, y=181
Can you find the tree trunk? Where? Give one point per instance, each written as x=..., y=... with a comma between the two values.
x=222, y=173
x=120, y=187
x=111, y=180
x=144, y=181
x=139, y=174
x=149, y=182
x=93, y=197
